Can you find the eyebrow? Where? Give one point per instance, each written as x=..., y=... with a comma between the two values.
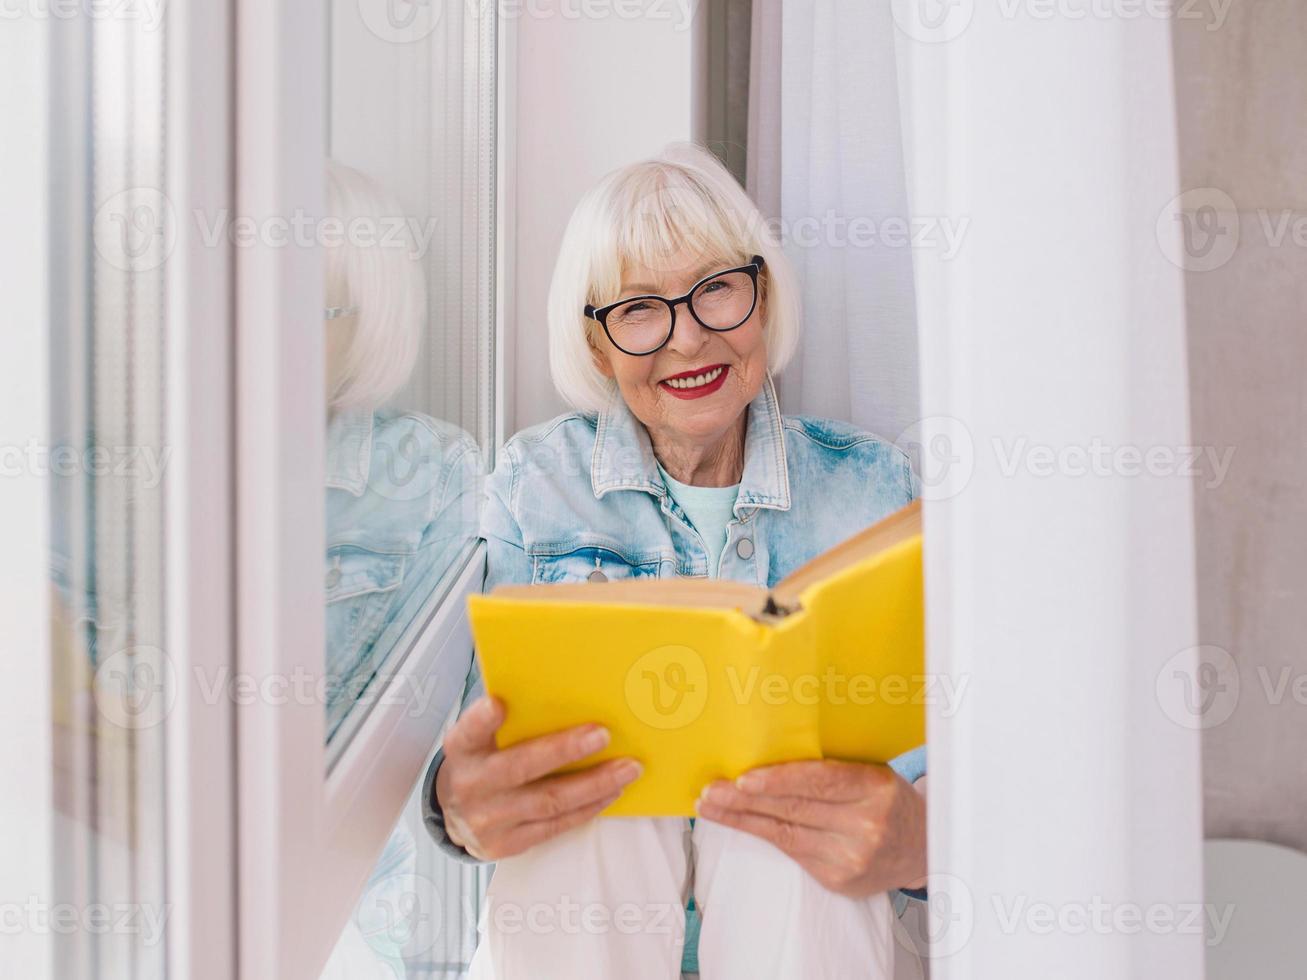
x=644, y=287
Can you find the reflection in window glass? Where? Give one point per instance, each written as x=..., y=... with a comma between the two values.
x=408, y=319
x=110, y=234
x=402, y=485
x=416, y=918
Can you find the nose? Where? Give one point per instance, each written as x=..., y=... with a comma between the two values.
x=688, y=337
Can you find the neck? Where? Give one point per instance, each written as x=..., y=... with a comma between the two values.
x=717, y=463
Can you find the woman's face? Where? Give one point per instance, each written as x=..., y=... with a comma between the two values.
x=695, y=415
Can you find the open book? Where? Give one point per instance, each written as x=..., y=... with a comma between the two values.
x=702, y=680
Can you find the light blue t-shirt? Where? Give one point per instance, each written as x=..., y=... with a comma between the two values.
x=710, y=510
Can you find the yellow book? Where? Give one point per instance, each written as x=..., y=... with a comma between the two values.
x=702, y=680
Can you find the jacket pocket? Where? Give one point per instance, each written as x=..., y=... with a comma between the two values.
x=593, y=564
x=360, y=586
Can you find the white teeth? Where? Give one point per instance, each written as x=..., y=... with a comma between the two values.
x=696, y=382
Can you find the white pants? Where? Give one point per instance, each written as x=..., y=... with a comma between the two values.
x=607, y=902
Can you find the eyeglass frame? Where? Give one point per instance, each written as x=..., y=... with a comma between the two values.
x=601, y=314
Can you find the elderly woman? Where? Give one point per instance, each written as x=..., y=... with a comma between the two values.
x=671, y=308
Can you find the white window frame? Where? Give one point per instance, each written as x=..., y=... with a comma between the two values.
x=306, y=840
x=27, y=753
x=200, y=733
x=266, y=852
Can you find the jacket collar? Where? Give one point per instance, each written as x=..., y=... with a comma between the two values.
x=624, y=459
x=349, y=450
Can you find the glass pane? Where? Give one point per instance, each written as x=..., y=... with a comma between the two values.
x=111, y=230
x=416, y=918
x=409, y=321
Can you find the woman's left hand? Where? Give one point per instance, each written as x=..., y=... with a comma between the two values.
x=858, y=829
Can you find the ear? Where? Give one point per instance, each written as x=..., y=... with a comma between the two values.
x=601, y=361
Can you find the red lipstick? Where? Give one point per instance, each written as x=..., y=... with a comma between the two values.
x=702, y=391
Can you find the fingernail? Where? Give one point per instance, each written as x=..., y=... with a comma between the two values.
x=595, y=740
x=716, y=793
x=748, y=782
x=629, y=772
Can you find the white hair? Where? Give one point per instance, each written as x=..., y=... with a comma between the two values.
x=372, y=264
x=643, y=214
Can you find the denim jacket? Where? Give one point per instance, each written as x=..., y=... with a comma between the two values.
x=403, y=491
x=581, y=498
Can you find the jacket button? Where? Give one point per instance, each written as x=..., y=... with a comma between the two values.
x=598, y=576
x=745, y=548
x=333, y=578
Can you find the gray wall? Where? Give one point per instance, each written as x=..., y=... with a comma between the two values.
x=1242, y=93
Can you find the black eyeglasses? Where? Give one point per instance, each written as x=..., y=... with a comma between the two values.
x=643, y=325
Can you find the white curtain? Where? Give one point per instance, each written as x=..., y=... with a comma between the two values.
x=1059, y=523
x=1054, y=399
x=826, y=159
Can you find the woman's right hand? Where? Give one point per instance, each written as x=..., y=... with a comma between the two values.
x=500, y=802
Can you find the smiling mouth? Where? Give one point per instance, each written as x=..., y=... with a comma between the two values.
x=692, y=381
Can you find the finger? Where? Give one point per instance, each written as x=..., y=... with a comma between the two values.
x=822, y=779
x=557, y=796
x=528, y=835
x=800, y=843
x=482, y=831
x=807, y=812
x=474, y=731
x=530, y=760
x=463, y=836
